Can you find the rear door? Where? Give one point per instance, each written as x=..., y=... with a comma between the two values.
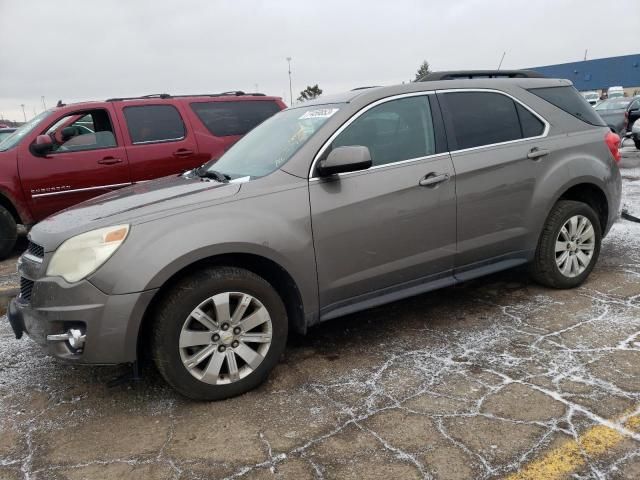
x=158, y=139
x=88, y=159
x=499, y=150
x=385, y=231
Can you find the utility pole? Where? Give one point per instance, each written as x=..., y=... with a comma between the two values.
x=500, y=64
x=44, y=105
x=24, y=113
x=585, y=54
x=290, y=87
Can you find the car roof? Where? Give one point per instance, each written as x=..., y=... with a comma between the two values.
x=155, y=98
x=373, y=93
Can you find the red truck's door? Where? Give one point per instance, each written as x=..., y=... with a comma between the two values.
x=88, y=159
x=159, y=140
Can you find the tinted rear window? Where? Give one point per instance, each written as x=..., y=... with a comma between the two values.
x=481, y=118
x=569, y=100
x=154, y=123
x=223, y=119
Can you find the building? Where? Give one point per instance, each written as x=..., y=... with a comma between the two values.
x=599, y=74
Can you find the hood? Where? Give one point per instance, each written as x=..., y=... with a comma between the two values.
x=135, y=204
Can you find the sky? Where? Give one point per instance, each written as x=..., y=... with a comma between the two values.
x=89, y=50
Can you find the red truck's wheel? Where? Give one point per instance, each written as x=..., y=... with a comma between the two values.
x=8, y=232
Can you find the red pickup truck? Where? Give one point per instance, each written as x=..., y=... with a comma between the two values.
x=74, y=152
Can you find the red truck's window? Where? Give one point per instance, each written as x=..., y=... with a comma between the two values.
x=233, y=118
x=154, y=123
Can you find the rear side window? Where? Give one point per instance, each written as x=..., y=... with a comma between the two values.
x=481, y=118
x=154, y=123
x=569, y=100
x=530, y=124
x=224, y=119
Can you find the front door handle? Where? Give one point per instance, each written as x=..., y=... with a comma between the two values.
x=432, y=179
x=109, y=161
x=183, y=152
x=535, y=153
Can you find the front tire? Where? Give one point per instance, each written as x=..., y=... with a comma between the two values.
x=568, y=247
x=8, y=233
x=218, y=333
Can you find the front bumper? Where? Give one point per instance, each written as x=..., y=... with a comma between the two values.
x=110, y=322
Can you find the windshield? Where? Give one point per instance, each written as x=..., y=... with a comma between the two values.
x=271, y=144
x=15, y=137
x=613, y=104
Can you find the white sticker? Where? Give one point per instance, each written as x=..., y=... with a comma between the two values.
x=319, y=113
x=240, y=180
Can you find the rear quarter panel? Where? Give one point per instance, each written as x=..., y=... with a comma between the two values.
x=579, y=157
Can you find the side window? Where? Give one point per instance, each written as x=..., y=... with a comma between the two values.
x=154, y=123
x=393, y=131
x=531, y=125
x=224, y=119
x=82, y=131
x=481, y=118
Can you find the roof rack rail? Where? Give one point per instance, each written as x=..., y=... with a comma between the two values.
x=469, y=74
x=236, y=93
x=153, y=95
x=364, y=88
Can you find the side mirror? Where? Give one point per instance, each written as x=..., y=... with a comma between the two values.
x=41, y=146
x=345, y=159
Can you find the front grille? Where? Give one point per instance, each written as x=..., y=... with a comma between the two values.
x=26, y=286
x=35, y=250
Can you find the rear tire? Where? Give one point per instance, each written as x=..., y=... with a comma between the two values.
x=565, y=258
x=208, y=352
x=8, y=233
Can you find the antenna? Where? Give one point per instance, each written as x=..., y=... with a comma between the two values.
x=501, y=60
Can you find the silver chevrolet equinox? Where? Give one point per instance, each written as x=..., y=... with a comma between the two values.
x=325, y=209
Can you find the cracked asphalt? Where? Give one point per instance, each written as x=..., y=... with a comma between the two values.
x=495, y=378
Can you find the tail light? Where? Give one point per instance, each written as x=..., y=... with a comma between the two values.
x=613, y=142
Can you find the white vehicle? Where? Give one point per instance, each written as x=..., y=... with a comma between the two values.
x=615, y=92
x=592, y=97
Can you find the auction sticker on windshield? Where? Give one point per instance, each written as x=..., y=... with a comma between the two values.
x=319, y=113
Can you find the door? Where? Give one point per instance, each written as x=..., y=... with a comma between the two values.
x=158, y=140
x=499, y=150
x=392, y=227
x=88, y=159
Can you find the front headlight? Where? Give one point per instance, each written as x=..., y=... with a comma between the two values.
x=83, y=254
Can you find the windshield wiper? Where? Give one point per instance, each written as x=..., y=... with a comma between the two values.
x=214, y=174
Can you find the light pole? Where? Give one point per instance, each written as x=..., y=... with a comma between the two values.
x=24, y=113
x=290, y=88
x=44, y=105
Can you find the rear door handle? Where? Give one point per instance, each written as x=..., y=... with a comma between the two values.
x=536, y=153
x=109, y=161
x=183, y=152
x=432, y=179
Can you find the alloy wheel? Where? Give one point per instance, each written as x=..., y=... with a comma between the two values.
x=575, y=245
x=225, y=338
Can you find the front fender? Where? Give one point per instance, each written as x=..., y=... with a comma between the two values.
x=277, y=227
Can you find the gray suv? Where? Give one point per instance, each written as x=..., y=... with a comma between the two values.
x=325, y=209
